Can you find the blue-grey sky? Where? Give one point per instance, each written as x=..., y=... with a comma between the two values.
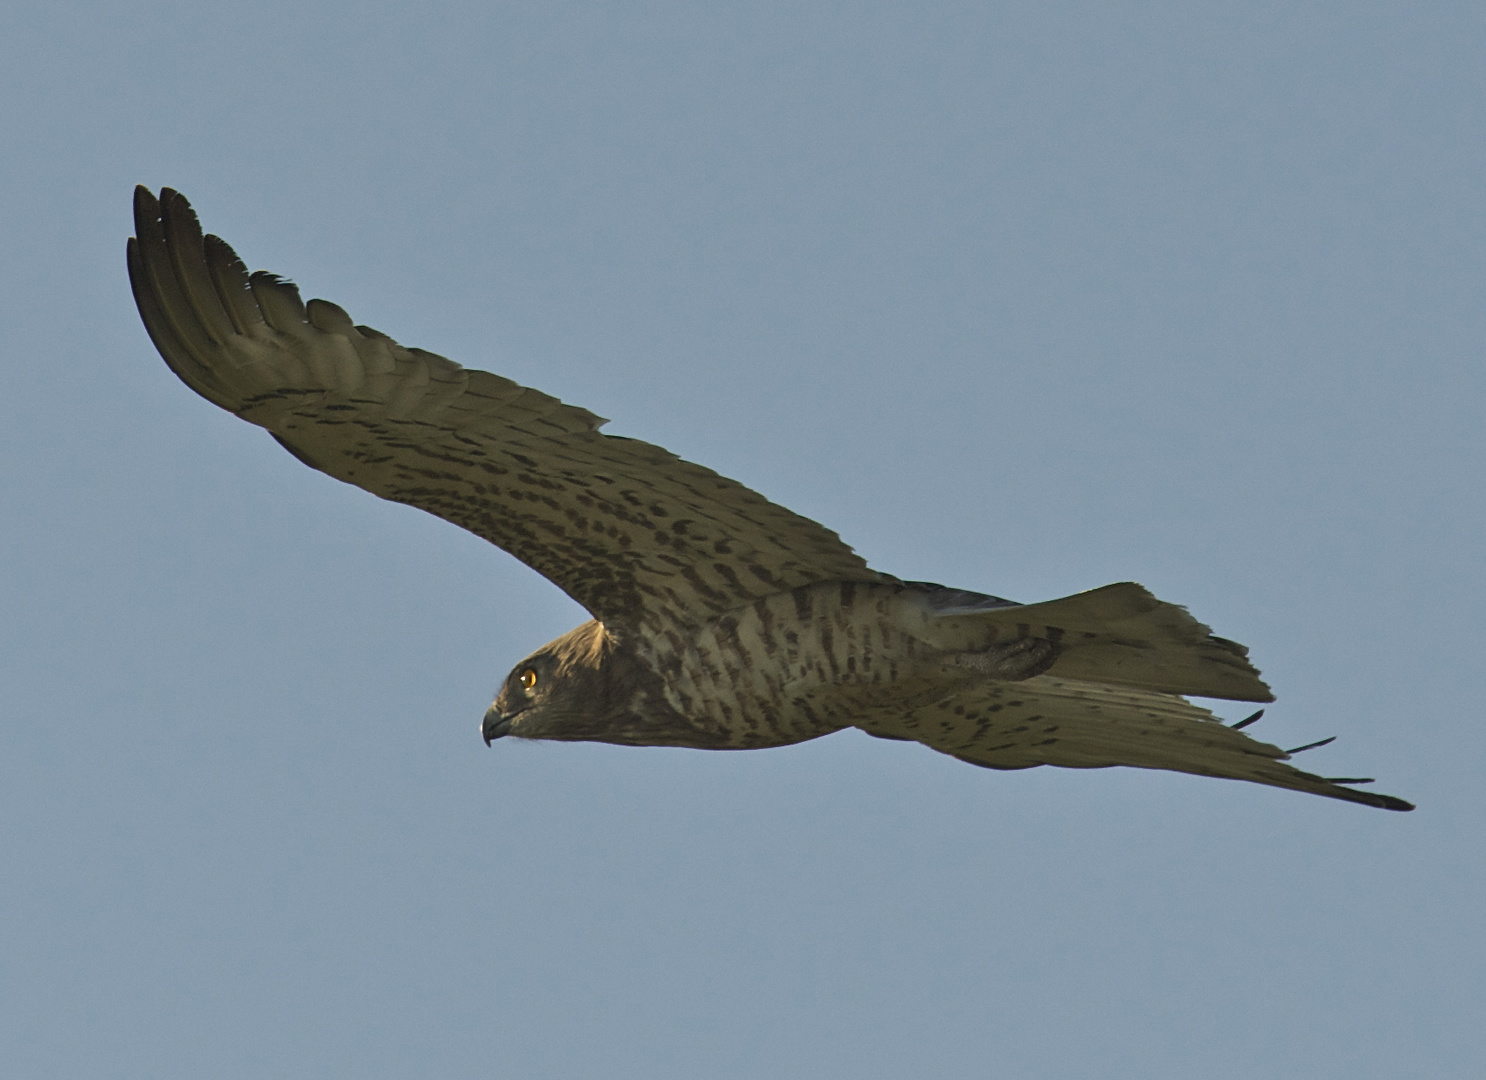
x=1022, y=298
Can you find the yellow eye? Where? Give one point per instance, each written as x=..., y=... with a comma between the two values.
x=528, y=679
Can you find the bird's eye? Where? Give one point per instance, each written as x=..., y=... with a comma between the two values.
x=528, y=679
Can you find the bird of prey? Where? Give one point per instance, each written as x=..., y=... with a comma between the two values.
x=720, y=620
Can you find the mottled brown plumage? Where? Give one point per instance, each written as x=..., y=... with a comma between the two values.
x=721, y=620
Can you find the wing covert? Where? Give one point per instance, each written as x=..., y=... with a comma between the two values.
x=636, y=535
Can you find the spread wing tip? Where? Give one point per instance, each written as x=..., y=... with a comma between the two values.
x=1367, y=798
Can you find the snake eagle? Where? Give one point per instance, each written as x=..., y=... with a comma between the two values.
x=720, y=620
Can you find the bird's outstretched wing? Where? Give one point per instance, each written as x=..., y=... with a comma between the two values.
x=1084, y=725
x=630, y=531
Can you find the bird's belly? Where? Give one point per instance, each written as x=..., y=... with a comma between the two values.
x=798, y=665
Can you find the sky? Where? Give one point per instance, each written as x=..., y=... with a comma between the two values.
x=1021, y=298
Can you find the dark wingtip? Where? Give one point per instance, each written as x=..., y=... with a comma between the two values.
x=1368, y=798
x=1334, y=789
x=146, y=211
x=150, y=206
x=144, y=200
x=1312, y=745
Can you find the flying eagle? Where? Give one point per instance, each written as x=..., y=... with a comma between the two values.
x=720, y=620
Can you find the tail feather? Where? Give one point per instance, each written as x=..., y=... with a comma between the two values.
x=1118, y=635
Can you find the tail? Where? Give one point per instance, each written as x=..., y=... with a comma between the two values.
x=1118, y=635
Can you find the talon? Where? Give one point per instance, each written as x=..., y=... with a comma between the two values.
x=1247, y=721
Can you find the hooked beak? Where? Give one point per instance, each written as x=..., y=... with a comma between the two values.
x=494, y=726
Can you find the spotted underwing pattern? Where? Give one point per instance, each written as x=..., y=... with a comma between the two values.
x=721, y=620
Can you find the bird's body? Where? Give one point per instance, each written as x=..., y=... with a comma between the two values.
x=721, y=620
x=789, y=667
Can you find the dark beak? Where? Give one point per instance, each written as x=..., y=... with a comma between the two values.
x=495, y=726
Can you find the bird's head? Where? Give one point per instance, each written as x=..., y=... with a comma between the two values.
x=561, y=691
